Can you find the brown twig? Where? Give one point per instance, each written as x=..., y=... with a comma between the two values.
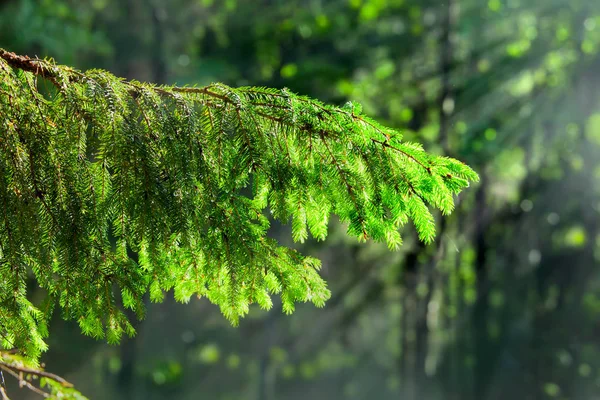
x=47, y=70
x=27, y=64
x=34, y=372
x=25, y=382
x=38, y=67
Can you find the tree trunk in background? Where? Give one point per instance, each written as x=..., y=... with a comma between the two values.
x=415, y=329
x=266, y=369
x=425, y=275
x=159, y=66
x=138, y=64
x=481, y=306
x=408, y=358
x=449, y=13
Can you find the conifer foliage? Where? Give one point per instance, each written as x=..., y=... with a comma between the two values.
x=111, y=189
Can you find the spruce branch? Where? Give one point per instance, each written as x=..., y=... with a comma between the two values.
x=121, y=188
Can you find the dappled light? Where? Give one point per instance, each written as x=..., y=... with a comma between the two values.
x=335, y=121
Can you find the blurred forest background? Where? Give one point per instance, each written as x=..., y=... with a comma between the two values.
x=505, y=303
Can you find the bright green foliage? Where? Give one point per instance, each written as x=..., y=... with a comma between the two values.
x=111, y=189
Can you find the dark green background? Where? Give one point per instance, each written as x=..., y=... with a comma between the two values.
x=505, y=303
